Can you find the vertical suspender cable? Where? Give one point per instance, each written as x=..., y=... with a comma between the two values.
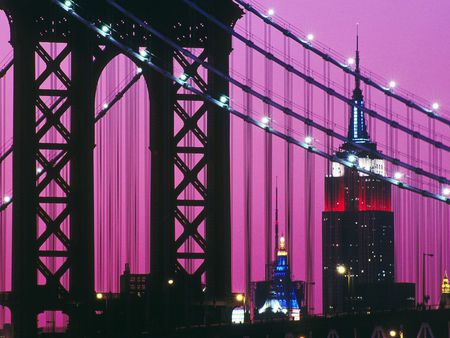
x=309, y=191
x=289, y=158
x=268, y=66
x=248, y=164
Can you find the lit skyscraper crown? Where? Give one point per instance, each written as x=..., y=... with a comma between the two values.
x=445, y=284
x=282, y=250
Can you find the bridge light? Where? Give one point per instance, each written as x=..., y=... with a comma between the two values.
x=171, y=282
x=435, y=106
x=352, y=158
x=143, y=53
x=224, y=99
x=446, y=191
x=398, y=175
x=341, y=269
x=309, y=140
x=68, y=4
x=99, y=296
x=184, y=77
x=392, y=84
x=350, y=61
x=39, y=170
x=7, y=199
x=139, y=70
x=393, y=333
x=265, y=120
x=271, y=12
x=105, y=106
x=310, y=37
x=105, y=29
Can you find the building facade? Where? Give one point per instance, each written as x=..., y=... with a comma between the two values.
x=358, y=222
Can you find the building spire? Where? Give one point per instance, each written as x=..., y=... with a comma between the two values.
x=357, y=93
x=357, y=131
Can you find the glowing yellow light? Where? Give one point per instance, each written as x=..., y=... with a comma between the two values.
x=99, y=296
x=282, y=243
x=170, y=282
x=393, y=333
x=341, y=269
x=240, y=297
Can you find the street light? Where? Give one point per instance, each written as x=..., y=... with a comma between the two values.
x=424, y=296
x=395, y=333
x=240, y=297
x=343, y=271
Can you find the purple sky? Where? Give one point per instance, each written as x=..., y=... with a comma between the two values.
x=408, y=41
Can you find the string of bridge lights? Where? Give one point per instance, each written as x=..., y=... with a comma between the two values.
x=388, y=90
x=266, y=120
x=311, y=80
x=223, y=101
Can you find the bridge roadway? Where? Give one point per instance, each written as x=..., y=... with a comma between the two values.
x=412, y=324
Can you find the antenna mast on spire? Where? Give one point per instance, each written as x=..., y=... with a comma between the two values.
x=358, y=71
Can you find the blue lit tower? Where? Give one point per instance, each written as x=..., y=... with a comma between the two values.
x=282, y=299
x=357, y=223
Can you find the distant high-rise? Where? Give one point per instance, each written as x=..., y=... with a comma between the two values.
x=282, y=297
x=358, y=222
x=444, y=303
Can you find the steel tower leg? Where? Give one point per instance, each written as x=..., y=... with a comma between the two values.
x=218, y=223
x=172, y=201
x=24, y=278
x=82, y=179
x=53, y=235
x=162, y=180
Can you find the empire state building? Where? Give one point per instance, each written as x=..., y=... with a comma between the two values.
x=358, y=222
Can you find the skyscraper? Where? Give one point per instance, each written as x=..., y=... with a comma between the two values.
x=358, y=223
x=281, y=297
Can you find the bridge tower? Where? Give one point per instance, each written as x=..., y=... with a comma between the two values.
x=53, y=236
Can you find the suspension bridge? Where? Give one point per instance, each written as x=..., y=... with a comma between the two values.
x=156, y=139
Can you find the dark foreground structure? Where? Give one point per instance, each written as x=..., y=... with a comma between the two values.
x=36, y=287
x=420, y=324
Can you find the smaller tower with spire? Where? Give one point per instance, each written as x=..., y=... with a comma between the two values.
x=445, y=293
x=282, y=299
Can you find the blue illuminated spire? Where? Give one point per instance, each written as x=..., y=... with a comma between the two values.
x=357, y=131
